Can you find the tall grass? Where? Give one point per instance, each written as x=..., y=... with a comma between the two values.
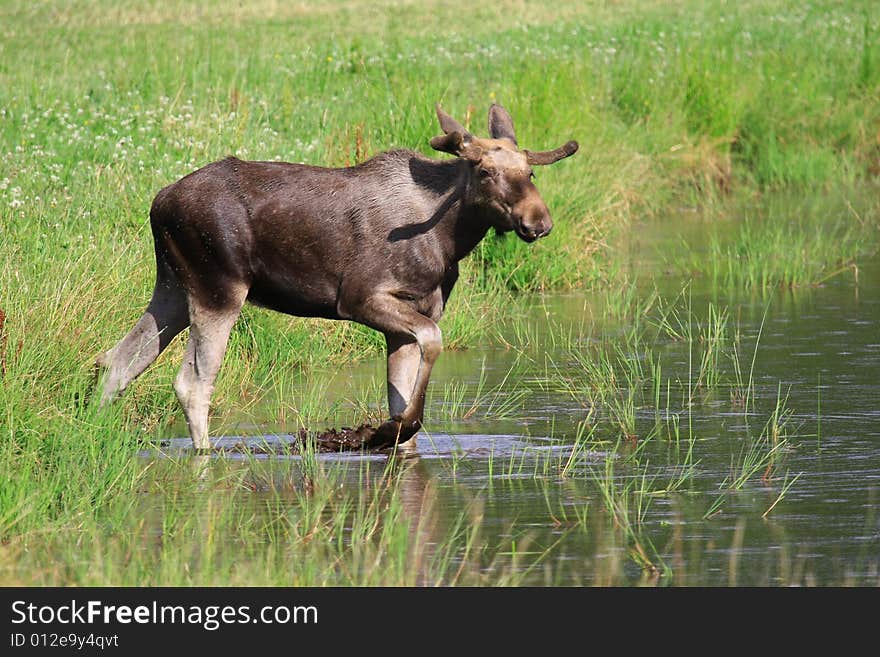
x=787, y=241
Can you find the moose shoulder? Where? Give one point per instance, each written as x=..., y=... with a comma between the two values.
x=378, y=243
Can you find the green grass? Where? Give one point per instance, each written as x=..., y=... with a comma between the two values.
x=104, y=103
x=789, y=239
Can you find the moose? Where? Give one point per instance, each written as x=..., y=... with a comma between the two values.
x=377, y=243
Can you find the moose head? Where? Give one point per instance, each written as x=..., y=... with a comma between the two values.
x=503, y=171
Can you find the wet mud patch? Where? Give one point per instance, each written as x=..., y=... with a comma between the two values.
x=347, y=439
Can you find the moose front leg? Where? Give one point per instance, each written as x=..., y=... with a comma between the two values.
x=404, y=358
x=414, y=343
x=410, y=360
x=404, y=364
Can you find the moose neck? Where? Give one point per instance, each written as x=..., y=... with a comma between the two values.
x=458, y=221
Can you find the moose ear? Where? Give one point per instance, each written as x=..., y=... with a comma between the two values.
x=500, y=124
x=456, y=140
x=448, y=124
x=549, y=157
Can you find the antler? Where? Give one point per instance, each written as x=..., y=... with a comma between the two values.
x=549, y=157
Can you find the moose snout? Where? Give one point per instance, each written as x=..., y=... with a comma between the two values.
x=533, y=225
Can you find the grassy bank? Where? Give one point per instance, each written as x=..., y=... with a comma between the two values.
x=103, y=103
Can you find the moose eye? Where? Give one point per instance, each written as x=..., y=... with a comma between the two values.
x=484, y=173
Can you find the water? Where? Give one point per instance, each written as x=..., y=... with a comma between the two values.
x=819, y=350
x=502, y=423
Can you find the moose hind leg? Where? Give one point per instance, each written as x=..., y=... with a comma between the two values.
x=194, y=385
x=165, y=317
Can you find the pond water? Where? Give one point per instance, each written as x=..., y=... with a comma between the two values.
x=818, y=352
x=764, y=470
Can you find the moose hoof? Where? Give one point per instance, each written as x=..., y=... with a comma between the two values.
x=393, y=432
